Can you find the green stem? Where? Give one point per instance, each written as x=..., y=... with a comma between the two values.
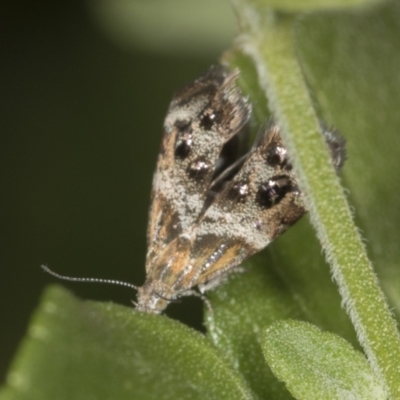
x=268, y=40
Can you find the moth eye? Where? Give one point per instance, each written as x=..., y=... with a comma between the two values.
x=239, y=191
x=198, y=168
x=208, y=120
x=183, y=145
x=276, y=155
x=273, y=191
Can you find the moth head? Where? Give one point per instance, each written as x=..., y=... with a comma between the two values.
x=149, y=298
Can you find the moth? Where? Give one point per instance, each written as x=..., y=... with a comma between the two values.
x=202, y=226
x=209, y=211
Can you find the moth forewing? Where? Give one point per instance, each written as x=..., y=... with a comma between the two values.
x=256, y=206
x=202, y=117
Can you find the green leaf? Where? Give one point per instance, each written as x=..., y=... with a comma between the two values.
x=288, y=280
x=86, y=350
x=318, y=365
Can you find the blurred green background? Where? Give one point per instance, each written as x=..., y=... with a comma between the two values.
x=81, y=123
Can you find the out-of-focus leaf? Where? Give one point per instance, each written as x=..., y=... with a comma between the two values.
x=318, y=365
x=187, y=26
x=86, y=350
x=204, y=27
x=313, y=5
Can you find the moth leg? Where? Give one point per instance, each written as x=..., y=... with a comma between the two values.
x=192, y=292
x=336, y=144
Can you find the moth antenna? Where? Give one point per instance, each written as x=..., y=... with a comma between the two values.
x=92, y=280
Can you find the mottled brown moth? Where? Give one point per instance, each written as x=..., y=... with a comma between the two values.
x=208, y=212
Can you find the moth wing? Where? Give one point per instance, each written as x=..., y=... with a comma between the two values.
x=255, y=207
x=260, y=203
x=202, y=117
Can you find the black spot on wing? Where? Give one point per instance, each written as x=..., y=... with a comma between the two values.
x=209, y=119
x=276, y=155
x=239, y=191
x=198, y=169
x=273, y=191
x=183, y=145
